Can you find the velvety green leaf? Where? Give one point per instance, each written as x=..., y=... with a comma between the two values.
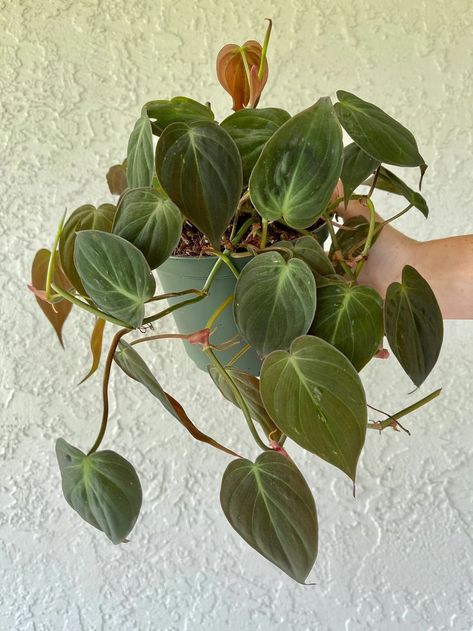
x=115, y=275
x=199, y=167
x=116, y=179
x=274, y=301
x=315, y=396
x=56, y=313
x=351, y=319
x=270, y=505
x=382, y=137
x=299, y=167
x=251, y=129
x=180, y=109
x=311, y=252
x=388, y=181
x=357, y=166
x=140, y=154
x=85, y=217
x=96, y=340
x=248, y=385
x=134, y=366
x=102, y=487
x=151, y=222
x=414, y=325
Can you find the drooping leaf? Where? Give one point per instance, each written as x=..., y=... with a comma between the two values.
x=299, y=167
x=388, y=181
x=134, y=366
x=116, y=178
x=274, y=301
x=350, y=317
x=140, y=154
x=150, y=221
x=270, y=505
x=179, y=109
x=200, y=169
x=115, y=275
x=414, y=325
x=251, y=129
x=379, y=135
x=248, y=385
x=85, y=217
x=315, y=396
x=102, y=487
x=357, y=166
x=311, y=252
x=96, y=340
x=232, y=73
x=56, y=313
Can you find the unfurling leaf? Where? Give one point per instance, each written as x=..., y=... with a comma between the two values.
x=56, y=313
x=115, y=275
x=414, y=324
x=116, y=179
x=179, y=109
x=95, y=346
x=135, y=367
x=140, y=154
x=102, y=487
x=315, y=396
x=234, y=71
x=270, y=505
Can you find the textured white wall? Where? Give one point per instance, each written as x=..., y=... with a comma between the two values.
x=73, y=76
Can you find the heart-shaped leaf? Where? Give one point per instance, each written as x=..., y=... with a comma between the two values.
x=270, y=505
x=388, y=181
x=134, y=366
x=251, y=129
x=96, y=340
x=200, y=169
x=350, y=317
x=115, y=275
x=152, y=222
x=248, y=385
x=179, y=109
x=315, y=396
x=274, y=301
x=382, y=137
x=357, y=166
x=140, y=154
x=311, y=252
x=57, y=313
x=85, y=217
x=299, y=167
x=102, y=487
x=414, y=325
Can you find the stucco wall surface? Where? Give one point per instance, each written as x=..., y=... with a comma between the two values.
x=73, y=77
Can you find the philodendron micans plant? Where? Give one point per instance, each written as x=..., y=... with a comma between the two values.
x=263, y=183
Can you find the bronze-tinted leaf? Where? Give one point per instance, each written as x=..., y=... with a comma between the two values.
x=96, y=340
x=116, y=178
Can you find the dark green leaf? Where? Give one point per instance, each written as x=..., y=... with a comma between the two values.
x=199, y=167
x=85, y=217
x=350, y=317
x=315, y=396
x=251, y=129
x=357, y=166
x=299, y=167
x=375, y=132
x=133, y=365
x=102, y=487
x=270, y=505
x=388, y=181
x=311, y=252
x=115, y=275
x=96, y=340
x=274, y=301
x=248, y=385
x=414, y=325
x=180, y=109
x=140, y=156
x=152, y=222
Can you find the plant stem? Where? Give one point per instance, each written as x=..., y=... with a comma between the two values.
x=373, y=183
x=264, y=234
x=162, y=336
x=105, y=382
x=333, y=236
x=218, y=311
x=52, y=257
x=394, y=217
x=83, y=305
x=179, y=305
x=223, y=257
x=237, y=356
x=369, y=238
x=174, y=294
x=238, y=398
x=393, y=418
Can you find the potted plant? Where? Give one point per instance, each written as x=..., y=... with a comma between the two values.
x=233, y=216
